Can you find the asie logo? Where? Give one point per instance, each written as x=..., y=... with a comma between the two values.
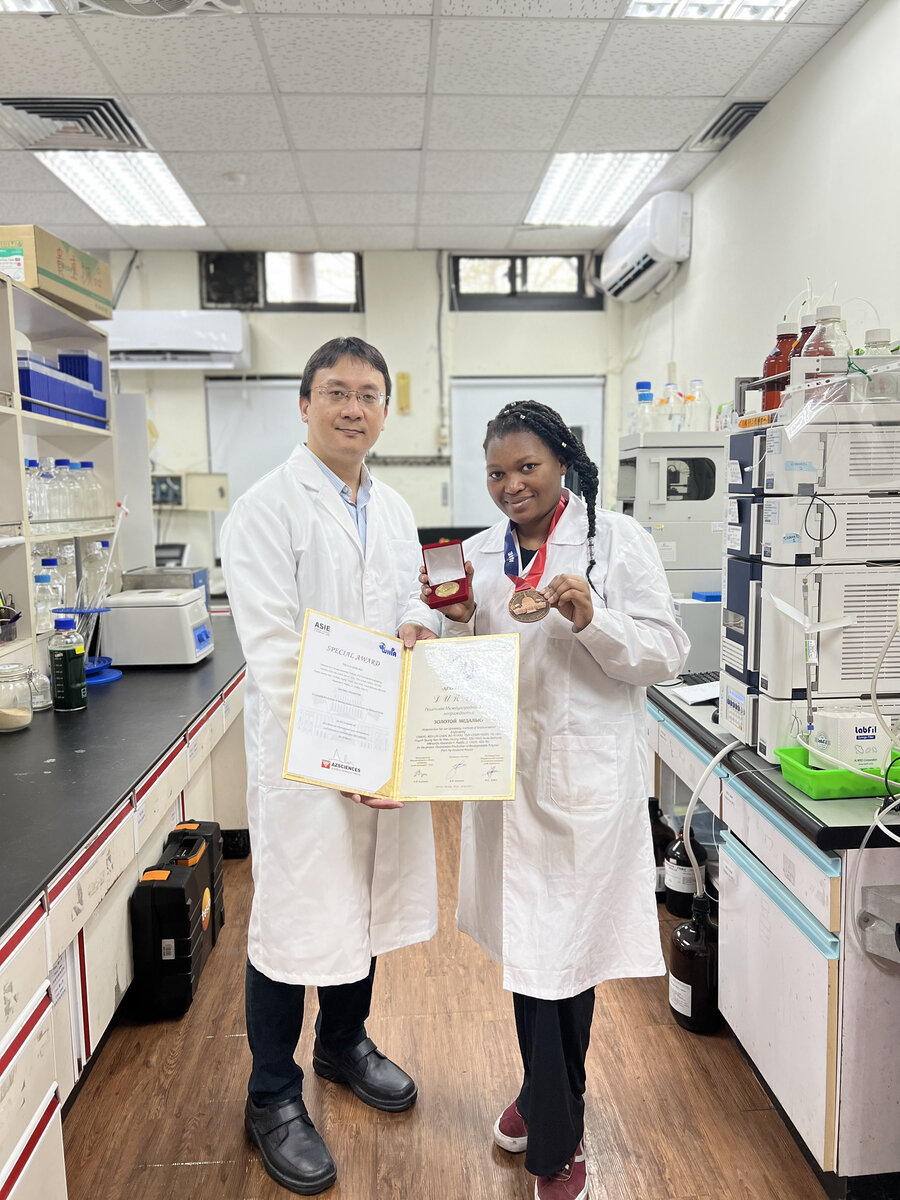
x=322, y=627
x=391, y=650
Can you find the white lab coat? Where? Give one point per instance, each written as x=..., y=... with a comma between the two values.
x=334, y=882
x=558, y=886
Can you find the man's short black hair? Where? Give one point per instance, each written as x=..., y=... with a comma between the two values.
x=344, y=347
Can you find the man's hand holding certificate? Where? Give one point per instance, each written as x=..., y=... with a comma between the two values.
x=437, y=722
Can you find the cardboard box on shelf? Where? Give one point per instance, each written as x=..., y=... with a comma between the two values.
x=71, y=277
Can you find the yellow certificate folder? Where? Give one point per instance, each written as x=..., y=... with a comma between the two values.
x=437, y=722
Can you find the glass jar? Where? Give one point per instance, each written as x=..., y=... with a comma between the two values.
x=40, y=690
x=15, y=697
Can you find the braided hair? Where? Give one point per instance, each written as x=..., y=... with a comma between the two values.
x=545, y=423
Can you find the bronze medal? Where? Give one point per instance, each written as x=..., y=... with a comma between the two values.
x=528, y=605
x=446, y=589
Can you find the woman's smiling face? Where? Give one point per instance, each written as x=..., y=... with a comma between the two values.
x=524, y=478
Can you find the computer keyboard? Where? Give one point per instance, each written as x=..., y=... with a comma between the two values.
x=699, y=677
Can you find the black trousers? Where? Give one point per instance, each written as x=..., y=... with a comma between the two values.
x=274, y=1014
x=553, y=1039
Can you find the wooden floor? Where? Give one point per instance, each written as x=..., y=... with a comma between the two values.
x=670, y=1116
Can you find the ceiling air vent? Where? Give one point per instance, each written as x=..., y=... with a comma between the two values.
x=726, y=127
x=153, y=9
x=61, y=124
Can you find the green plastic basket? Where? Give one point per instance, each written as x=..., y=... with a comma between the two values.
x=826, y=784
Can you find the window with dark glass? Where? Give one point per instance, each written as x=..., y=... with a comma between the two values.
x=522, y=282
x=276, y=281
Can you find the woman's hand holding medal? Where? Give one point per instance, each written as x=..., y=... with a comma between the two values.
x=570, y=595
x=464, y=611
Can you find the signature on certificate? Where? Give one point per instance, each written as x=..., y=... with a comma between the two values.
x=454, y=775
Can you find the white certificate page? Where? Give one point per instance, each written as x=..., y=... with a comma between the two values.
x=346, y=701
x=460, y=735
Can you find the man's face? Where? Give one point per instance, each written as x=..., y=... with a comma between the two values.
x=343, y=430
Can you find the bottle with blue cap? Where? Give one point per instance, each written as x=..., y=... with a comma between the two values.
x=68, y=685
x=644, y=421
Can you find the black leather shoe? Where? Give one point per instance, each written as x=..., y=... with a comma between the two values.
x=292, y=1151
x=369, y=1074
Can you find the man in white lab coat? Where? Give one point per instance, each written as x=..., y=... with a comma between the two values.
x=337, y=880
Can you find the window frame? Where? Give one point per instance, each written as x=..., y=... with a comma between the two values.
x=264, y=305
x=525, y=301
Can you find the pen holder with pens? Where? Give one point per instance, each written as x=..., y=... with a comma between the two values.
x=8, y=627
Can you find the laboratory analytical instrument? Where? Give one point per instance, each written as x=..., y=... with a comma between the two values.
x=153, y=627
x=805, y=530
x=701, y=620
x=167, y=577
x=855, y=458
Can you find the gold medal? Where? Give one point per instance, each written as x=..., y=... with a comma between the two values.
x=528, y=605
x=446, y=589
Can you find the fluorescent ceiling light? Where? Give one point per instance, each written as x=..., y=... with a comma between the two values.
x=125, y=188
x=592, y=189
x=709, y=10
x=27, y=6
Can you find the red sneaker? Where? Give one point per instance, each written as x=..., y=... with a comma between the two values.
x=510, y=1131
x=568, y=1184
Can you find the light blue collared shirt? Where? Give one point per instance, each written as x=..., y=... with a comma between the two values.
x=358, y=510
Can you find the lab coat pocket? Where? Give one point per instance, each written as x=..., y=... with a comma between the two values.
x=584, y=772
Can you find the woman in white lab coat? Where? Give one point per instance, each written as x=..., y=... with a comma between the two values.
x=558, y=886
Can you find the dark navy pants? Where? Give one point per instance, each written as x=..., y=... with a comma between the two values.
x=553, y=1039
x=274, y=1020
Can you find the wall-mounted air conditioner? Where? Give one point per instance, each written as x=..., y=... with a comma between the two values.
x=143, y=339
x=643, y=254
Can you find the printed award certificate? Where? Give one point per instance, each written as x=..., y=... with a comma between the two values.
x=437, y=722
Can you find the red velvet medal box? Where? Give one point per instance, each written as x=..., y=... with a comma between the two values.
x=446, y=570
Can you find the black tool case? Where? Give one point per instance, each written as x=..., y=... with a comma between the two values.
x=177, y=912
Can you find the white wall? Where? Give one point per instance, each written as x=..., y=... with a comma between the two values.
x=810, y=188
x=403, y=310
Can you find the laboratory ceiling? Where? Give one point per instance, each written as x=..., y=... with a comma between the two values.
x=388, y=124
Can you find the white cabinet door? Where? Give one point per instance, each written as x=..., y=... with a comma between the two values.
x=108, y=962
x=204, y=734
x=157, y=791
x=229, y=777
x=778, y=990
x=37, y=1169
x=27, y=1072
x=23, y=965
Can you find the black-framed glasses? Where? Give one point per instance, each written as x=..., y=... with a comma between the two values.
x=336, y=395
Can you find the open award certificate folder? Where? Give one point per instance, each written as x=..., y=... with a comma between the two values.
x=434, y=723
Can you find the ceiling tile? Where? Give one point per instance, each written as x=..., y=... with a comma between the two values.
x=354, y=208
x=328, y=54
x=92, y=237
x=793, y=50
x=45, y=208
x=209, y=123
x=281, y=237
x=482, y=171
x=376, y=8
x=255, y=209
x=487, y=238
x=529, y=8
x=145, y=237
x=46, y=57
x=20, y=171
x=575, y=238
x=355, y=122
x=367, y=237
x=495, y=122
x=533, y=58
x=272, y=170
x=678, y=173
x=6, y=143
x=827, y=12
x=677, y=58
x=179, y=56
x=648, y=123
x=361, y=170
x=481, y=208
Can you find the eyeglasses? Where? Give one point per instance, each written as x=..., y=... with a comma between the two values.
x=341, y=396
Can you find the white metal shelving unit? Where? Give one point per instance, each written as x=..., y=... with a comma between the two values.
x=28, y=321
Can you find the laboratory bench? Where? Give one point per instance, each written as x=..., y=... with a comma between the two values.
x=87, y=800
x=813, y=1010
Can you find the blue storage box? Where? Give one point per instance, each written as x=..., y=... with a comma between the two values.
x=83, y=364
x=34, y=382
x=57, y=394
x=707, y=597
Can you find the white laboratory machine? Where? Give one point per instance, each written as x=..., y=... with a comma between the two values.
x=673, y=485
x=156, y=627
